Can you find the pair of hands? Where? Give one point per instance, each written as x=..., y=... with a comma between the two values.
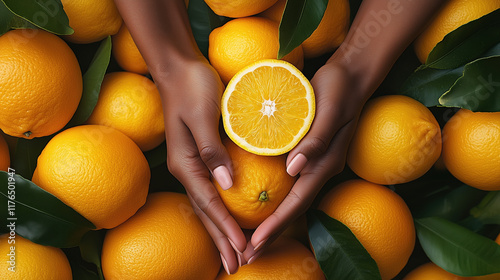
x=192, y=113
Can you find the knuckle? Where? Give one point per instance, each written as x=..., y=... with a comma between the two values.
x=209, y=153
x=211, y=205
x=317, y=145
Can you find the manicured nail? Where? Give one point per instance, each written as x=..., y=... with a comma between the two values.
x=221, y=174
x=256, y=248
x=224, y=263
x=296, y=165
x=234, y=246
x=254, y=257
x=240, y=260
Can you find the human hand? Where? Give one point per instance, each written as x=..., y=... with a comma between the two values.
x=191, y=101
x=321, y=154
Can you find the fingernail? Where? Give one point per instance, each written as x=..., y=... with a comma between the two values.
x=240, y=260
x=254, y=257
x=224, y=263
x=234, y=246
x=256, y=248
x=296, y=165
x=221, y=174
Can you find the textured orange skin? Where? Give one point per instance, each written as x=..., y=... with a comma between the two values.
x=33, y=261
x=378, y=217
x=452, y=15
x=285, y=259
x=164, y=240
x=126, y=52
x=430, y=271
x=253, y=174
x=4, y=155
x=471, y=148
x=330, y=32
x=239, y=8
x=242, y=41
x=92, y=20
x=131, y=103
x=40, y=83
x=397, y=140
x=96, y=170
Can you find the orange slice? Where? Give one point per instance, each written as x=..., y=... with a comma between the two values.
x=268, y=107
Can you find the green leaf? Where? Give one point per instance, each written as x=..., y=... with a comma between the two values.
x=300, y=19
x=157, y=155
x=91, y=247
x=457, y=249
x=47, y=15
x=488, y=210
x=38, y=215
x=479, y=87
x=466, y=43
x=338, y=251
x=427, y=85
x=452, y=205
x=9, y=20
x=26, y=155
x=203, y=20
x=92, y=80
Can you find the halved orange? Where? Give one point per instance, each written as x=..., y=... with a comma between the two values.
x=268, y=107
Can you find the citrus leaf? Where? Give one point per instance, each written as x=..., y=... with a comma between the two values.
x=427, y=85
x=479, y=87
x=452, y=205
x=466, y=43
x=300, y=19
x=488, y=210
x=26, y=155
x=457, y=249
x=91, y=247
x=203, y=20
x=157, y=155
x=338, y=251
x=38, y=215
x=48, y=15
x=92, y=80
x=9, y=20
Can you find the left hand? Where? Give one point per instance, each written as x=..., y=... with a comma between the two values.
x=320, y=155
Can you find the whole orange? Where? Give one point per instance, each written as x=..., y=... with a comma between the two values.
x=163, y=240
x=452, y=15
x=397, y=140
x=40, y=83
x=239, y=8
x=378, y=217
x=132, y=104
x=471, y=148
x=23, y=259
x=96, y=170
x=126, y=52
x=430, y=271
x=286, y=258
x=4, y=155
x=330, y=32
x=243, y=41
x=92, y=20
x=260, y=183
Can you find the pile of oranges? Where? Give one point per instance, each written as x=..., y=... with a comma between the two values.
x=99, y=167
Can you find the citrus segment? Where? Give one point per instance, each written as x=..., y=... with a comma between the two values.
x=268, y=107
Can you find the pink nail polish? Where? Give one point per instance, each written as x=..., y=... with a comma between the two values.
x=254, y=257
x=256, y=248
x=221, y=174
x=234, y=246
x=224, y=263
x=296, y=165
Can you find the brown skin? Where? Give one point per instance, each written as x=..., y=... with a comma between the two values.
x=191, y=91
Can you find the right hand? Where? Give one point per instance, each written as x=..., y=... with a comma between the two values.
x=191, y=101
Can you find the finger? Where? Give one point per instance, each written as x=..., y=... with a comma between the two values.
x=231, y=260
x=185, y=164
x=306, y=188
x=205, y=130
x=327, y=122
